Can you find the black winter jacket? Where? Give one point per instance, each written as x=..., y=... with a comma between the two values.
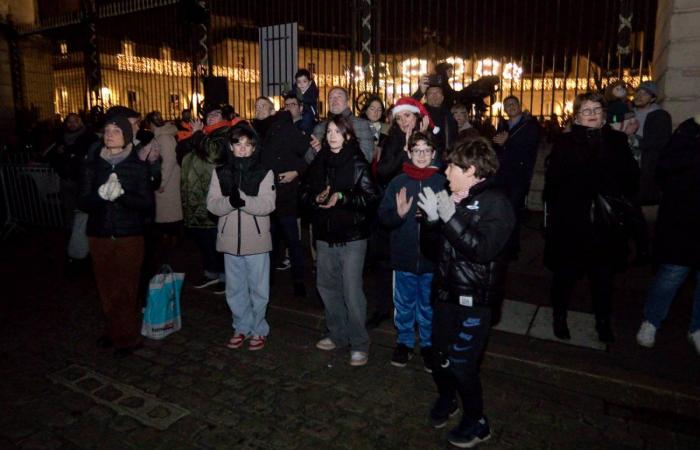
x=657, y=136
x=350, y=219
x=584, y=163
x=283, y=149
x=124, y=216
x=678, y=173
x=471, y=263
x=518, y=155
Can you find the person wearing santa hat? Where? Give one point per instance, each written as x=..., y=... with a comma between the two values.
x=409, y=116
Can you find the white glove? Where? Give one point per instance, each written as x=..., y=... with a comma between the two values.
x=111, y=189
x=428, y=202
x=445, y=206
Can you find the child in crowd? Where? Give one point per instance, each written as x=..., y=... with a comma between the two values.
x=242, y=194
x=413, y=272
x=475, y=224
x=306, y=92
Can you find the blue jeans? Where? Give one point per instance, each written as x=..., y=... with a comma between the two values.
x=663, y=290
x=248, y=292
x=411, y=306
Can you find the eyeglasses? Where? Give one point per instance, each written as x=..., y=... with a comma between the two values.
x=591, y=111
x=422, y=151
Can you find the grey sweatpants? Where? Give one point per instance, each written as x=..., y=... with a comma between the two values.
x=339, y=281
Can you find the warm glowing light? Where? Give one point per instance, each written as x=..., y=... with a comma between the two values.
x=413, y=68
x=488, y=66
x=512, y=71
x=195, y=101
x=569, y=107
x=496, y=108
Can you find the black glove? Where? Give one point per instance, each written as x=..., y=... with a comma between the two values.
x=235, y=198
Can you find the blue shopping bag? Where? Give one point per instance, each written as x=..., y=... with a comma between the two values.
x=162, y=314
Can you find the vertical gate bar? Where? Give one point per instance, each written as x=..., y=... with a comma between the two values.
x=578, y=40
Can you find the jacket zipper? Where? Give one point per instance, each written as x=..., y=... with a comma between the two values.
x=257, y=227
x=240, y=175
x=224, y=225
x=420, y=189
x=111, y=210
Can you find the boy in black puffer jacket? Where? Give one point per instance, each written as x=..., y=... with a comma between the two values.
x=476, y=222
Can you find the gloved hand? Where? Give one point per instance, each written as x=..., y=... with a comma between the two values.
x=445, y=206
x=111, y=189
x=428, y=202
x=235, y=198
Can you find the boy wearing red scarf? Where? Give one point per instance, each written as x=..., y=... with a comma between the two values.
x=413, y=272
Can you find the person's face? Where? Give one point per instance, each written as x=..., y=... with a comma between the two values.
x=406, y=120
x=214, y=117
x=337, y=101
x=642, y=98
x=72, y=123
x=421, y=154
x=434, y=96
x=460, y=116
x=458, y=178
x=135, y=122
x=292, y=105
x=263, y=109
x=303, y=83
x=619, y=91
x=114, y=138
x=243, y=148
x=374, y=111
x=591, y=114
x=334, y=137
x=512, y=108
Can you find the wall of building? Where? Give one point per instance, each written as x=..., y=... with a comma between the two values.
x=677, y=57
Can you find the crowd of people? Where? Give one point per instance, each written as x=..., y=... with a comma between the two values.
x=417, y=183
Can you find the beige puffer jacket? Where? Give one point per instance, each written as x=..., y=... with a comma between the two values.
x=253, y=220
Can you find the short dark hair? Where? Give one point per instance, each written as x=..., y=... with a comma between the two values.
x=303, y=73
x=459, y=105
x=417, y=137
x=242, y=131
x=291, y=96
x=511, y=97
x=475, y=152
x=154, y=118
x=589, y=97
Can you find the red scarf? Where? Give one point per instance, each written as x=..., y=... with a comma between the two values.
x=417, y=173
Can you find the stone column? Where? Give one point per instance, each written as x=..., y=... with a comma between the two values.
x=677, y=57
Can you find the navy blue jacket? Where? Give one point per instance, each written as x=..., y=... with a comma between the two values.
x=518, y=155
x=405, y=233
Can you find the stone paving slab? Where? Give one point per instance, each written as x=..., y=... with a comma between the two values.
x=581, y=326
x=516, y=317
x=122, y=398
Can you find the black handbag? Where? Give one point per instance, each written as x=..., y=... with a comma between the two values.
x=617, y=213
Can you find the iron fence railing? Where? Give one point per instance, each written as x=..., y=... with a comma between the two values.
x=153, y=54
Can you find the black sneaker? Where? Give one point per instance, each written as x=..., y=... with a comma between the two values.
x=204, y=282
x=469, y=436
x=283, y=265
x=401, y=355
x=427, y=354
x=219, y=288
x=442, y=411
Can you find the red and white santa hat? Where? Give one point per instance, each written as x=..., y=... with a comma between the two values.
x=414, y=106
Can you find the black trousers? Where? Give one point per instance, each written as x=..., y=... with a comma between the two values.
x=600, y=277
x=460, y=334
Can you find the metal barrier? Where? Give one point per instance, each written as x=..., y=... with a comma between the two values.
x=30, y=196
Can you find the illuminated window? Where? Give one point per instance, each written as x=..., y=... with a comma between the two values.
x=131, y=99
x=166, y=53
x=175, y=102
x=128, y=48
x=63, y=48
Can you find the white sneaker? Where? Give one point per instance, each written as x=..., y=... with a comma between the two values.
x=325, y=344
x=646, y=336
x=358, y=358
x=694, y=339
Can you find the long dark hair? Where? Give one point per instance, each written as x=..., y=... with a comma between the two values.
x=344, y=126
x=371, y=99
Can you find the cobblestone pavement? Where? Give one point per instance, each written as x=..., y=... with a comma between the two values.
x=58, y=391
